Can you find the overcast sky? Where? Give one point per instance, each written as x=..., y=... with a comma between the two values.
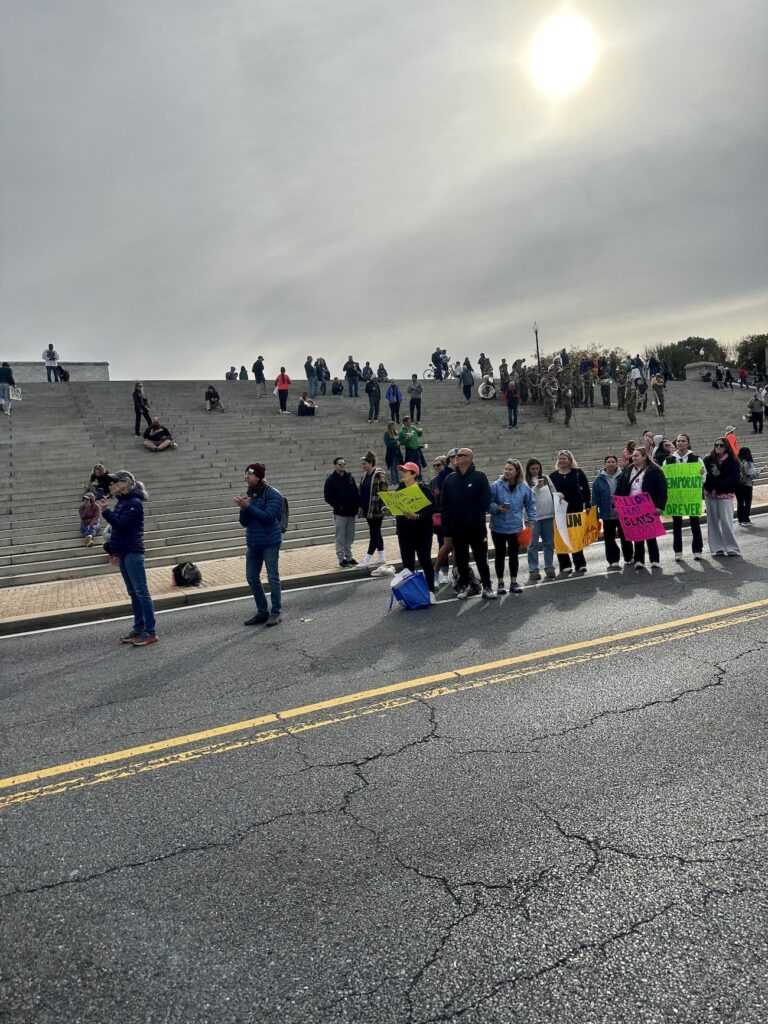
x=186, y=184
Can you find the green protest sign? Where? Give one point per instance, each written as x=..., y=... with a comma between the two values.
x=684, y=481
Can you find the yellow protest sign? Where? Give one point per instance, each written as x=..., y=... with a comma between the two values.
x=583, y=530
x=410, y=499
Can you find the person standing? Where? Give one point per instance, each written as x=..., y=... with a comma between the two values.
x=512, y=396
x=415, y=390
x=310, y=372
x=437, y=363
x=243, y=375
x=573, y=487
x=510, y=498
x=444, y=544
x=657, y=383
x=394, y=454
x=373, y=390
x=720, y=483
x=6, y=383
x=231, y=374
x=51, y=360
x=748, y=473
x=261, y=513
x=283, y=383
x=466, y=380
x=414, y=529
x=603, y=490
x=683, y=453
x=140, y=408
x=756, y=408
x=372, y=509
x=644, y=477
x=323, y=375
x=544, y=527
x=605, y=389
x=341, y=493
x=351, y=371
x=466, y=500
x=394, y=397
x=126, y=547
x=410, y=438
x=258, y=376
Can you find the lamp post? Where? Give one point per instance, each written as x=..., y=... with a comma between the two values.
x=536, y=336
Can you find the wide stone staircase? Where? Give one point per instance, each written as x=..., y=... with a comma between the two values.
x=58, y=432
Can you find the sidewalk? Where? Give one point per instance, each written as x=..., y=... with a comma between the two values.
x=100, y=597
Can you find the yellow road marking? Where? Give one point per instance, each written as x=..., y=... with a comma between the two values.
x=699, y=624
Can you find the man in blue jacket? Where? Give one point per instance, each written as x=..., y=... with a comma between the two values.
x=261, y=511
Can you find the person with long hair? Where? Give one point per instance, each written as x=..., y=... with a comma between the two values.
x=747, y=476
x=683, y=453
x=443, y=468
x=511, y=497
x=126, y=547
x=394, y=453
x=603, y=489
x=414, y=529
x=282, y=384
x=372, y=509
x=644, y=477
x=543, y=529
x=573, y=487
x=720, y=483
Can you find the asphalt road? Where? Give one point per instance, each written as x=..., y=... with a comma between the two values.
x=576, y=834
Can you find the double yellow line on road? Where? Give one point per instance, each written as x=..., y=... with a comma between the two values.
x=135, y=761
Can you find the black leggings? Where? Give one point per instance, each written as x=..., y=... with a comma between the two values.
x=506, y=544
x=418, y=545
x=394, y=408
x=376, y=542
x=743, y=502
x=139, y=414
x=282, y=397
x=467, y=389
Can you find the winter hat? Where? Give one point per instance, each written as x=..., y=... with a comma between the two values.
x=257, y=468
x=123, y=476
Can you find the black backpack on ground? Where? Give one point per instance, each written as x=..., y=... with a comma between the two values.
x=187, y=574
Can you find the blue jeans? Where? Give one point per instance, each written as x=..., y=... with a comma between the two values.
x=255, y=558
x=352, y=383
x=512, y=412
x=544, y=531
x=134, y=576
x=312, y=383
x=53, y=373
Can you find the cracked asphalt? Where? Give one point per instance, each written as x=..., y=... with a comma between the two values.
x=581, y=837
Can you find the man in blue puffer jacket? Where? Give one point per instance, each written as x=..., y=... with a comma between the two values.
x=261, y=512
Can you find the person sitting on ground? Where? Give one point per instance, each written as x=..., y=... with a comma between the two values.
x=337, y=388
x=99, y=481
x=157, y=437
x=212, y=399
x=306, y=406
x=382, y=374
x=90, y=518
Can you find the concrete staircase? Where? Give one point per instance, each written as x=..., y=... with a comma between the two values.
x=55, y=436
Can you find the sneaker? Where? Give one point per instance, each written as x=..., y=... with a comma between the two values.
x=733, y=554
x=501, y=589
x=566, y=572
x=581, y=570
x=257, y=619
x=639, y=566
x=698, y=558
x=274, y=619
x=144, y=640
x=343, y=563
x=351, y=561
x=534, y=577
x=655, y=565
x=488, y=594
x=463, y=593
x=679, y=558
x=550, y=574
x=366, y=560
x=719, y=554
x=515, y=588
x=432, y=598
x=89, y=542
x=129, y=637
x=443, y=578
x=614, y=567
x=382, y=558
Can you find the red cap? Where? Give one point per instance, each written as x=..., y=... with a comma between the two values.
x=410, y=466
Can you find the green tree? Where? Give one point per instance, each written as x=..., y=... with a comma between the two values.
x=577, y=354
x=677, y=354
x=751, y=349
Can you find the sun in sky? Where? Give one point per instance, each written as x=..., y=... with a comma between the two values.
x=562, y=54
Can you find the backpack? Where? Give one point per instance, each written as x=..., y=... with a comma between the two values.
x=186, y=574
x=285, y=512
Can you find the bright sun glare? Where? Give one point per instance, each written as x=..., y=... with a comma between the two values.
x=563, y=54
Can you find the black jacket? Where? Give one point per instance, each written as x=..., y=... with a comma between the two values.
x=140, y=400
x=341, y=494
x=410, y=527
x=258, y=371
x=723, y=477
x=466, y=498
x=574, y=487
x=6, y=376
x=654, y=484
x=372, y=388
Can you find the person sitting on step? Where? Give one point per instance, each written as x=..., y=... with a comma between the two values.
x=157, y=437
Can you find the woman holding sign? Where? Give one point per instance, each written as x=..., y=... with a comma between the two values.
x=414, y=529
x=684, y=455
x=573, y=487
x=644, y=477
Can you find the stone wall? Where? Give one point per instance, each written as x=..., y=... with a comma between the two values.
x=34, y=373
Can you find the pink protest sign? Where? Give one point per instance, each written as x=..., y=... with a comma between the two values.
x=638, y=517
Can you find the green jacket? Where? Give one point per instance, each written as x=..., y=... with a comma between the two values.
x=410, y=437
